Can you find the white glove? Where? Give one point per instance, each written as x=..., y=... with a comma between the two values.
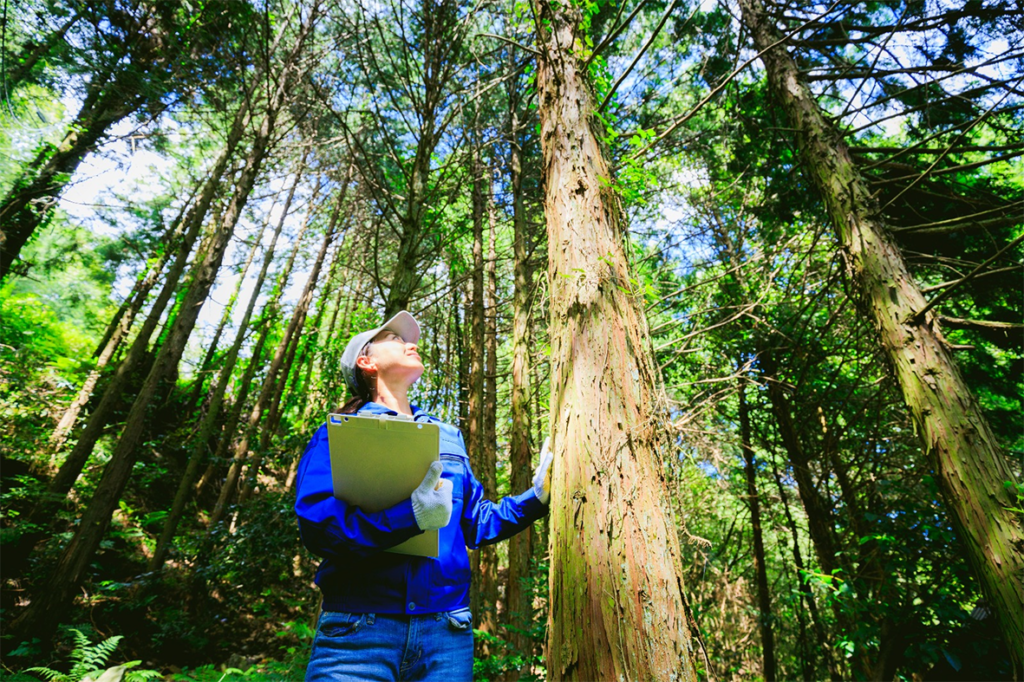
x=542, y=477
x=432, y=500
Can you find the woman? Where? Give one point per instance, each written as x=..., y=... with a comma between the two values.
x=391, y=616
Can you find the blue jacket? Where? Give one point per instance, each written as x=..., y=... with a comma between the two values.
x=357, y=576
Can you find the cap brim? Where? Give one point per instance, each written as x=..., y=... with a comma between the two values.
x=403, y=324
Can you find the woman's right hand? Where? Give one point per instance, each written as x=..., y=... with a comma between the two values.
x=432, y=500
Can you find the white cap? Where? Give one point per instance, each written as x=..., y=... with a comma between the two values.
x=403, y=324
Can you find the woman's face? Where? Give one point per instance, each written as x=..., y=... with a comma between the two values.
x=392, y=360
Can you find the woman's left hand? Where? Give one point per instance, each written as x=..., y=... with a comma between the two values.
x=542, y=476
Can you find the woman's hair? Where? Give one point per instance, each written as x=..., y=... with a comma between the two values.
x=363, y=392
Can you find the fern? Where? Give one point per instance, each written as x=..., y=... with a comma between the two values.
x=49, y=675
x=89, y=661
x=141, y=675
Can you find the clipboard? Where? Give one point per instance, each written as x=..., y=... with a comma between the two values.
x=377, y=461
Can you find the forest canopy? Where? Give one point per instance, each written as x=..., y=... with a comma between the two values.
x=754, y=267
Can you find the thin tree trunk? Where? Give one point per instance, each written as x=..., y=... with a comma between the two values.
x=760, y=569
x=206, y=428
x=336, y=345
x=617, y=609
x=407, y=273
x=962, y=448
x=299, y=323
x=43, y=614
x=805, y=587
x=116, y=332
x=477, y=358
x=144, y=284
x=278, y=365
x=308, y=402
x=249, y=475
x=520, y=547
x=211, y=347
x=463, y=299
x=322, y=344
x=873, y=580
x=235, y=415
x=269, y=316
x=486, y=465
x=819, y=512
x=312, y=351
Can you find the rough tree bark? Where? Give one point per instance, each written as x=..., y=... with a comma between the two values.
x=617, y=609
x=957, y=438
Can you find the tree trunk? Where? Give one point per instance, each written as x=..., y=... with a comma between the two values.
x=72, y=466
x=269, y=318
x=764, y=620
x=476, y=438
x=438, y=18
x=234, y=416
x=311, y=398
x=962, y=448
x=278, y=365
x=46, y=609
x=464, y=351
x=211, y=346
x=31, y=200
x=520, y=547
x=486, y=465
x=197, y=457
x=333, y=386
x=819, y=512
x=805, y=587
x=118, y=328
x=617, y=609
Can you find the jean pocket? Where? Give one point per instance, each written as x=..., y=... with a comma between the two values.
x=340, y=623
x=460, y=619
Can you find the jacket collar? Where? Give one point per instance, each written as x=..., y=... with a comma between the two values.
x=376, y=408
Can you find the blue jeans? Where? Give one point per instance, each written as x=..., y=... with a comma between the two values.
x=386, y=647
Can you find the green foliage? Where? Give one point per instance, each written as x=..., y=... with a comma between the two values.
x=731, y=257
x=89, y=662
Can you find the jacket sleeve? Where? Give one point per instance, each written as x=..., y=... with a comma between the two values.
x=485, y=522
x=330, y=527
